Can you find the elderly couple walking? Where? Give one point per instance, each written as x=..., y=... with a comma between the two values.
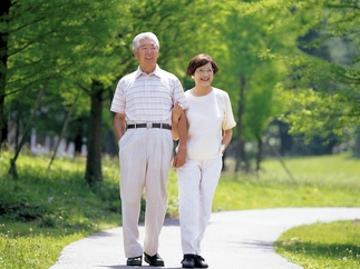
x=151, y=110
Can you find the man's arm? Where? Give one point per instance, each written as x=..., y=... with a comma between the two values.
x=176, y=113
x=119, y=125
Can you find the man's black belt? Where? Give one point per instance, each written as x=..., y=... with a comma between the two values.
x=149, y=125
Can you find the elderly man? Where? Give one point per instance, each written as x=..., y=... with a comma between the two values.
x=143, y=103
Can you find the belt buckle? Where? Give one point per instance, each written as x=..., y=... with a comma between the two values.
x=148, y=125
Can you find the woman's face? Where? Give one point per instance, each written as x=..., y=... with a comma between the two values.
x=204, y=75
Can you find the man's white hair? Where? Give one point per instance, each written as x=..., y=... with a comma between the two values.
x=145, y=35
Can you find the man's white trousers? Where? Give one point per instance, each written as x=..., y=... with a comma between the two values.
x=145, y=156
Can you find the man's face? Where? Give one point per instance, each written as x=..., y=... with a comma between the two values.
x=147, y=54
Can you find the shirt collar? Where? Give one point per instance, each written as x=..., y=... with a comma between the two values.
x=156, y=72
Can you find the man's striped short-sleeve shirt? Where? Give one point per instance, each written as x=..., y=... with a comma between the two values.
x=148, y=97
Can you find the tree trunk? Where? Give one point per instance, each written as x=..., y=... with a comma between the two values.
x=13, y=169
x=278, y=156
x=63, y=131
x=356, y=148
x=286, y=140
x=259, y=153
x=4, y=10
x=93, y=172
x=241, y=156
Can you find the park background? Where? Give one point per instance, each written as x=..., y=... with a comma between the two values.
x=291, y=69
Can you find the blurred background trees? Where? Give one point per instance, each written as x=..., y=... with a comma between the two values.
x=290, y=67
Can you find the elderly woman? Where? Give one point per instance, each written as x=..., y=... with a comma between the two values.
x=210, y=121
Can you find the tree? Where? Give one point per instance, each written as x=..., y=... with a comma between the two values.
x=4, y=36
x=322, y=89
x=62, y=46
x=249, y=77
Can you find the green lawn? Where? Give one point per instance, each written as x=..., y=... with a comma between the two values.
x=323, y=245
x=53, y=208
x=318, y=181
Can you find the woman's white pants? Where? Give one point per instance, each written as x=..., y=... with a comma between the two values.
x=197, y=181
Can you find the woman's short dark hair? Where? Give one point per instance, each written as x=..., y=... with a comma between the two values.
x=198, y=61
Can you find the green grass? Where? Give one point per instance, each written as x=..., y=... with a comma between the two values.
x=323, y=245
x=46, y=210
x=53, y=208
x=25, y=245
x=318, y=181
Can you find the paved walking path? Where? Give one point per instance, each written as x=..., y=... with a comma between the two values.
x=233, y=240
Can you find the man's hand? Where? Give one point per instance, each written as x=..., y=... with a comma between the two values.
x=119, y=125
